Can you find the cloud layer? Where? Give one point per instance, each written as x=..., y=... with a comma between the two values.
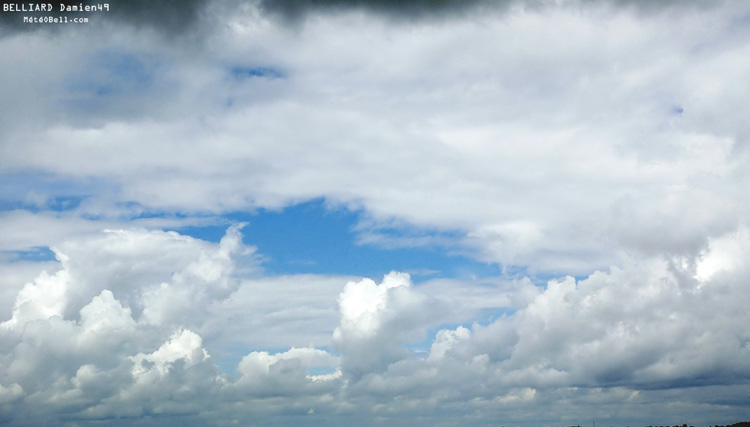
x=595, y=152
x=549, y=153
x=83, y=344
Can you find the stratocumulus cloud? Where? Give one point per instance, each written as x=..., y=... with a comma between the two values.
x=193, y=201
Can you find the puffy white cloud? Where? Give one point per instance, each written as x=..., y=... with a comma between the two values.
x=647, y=326
x=126, y=353
x=376, y=320
x=287, y=374
x=723, y=255
x=95, y=310
x=14, y=274
x=161, y=275
x=44, y=298
x=177, y=378
x=623, y=338
x=259, y=363
x=445, y=340
x=184, y=345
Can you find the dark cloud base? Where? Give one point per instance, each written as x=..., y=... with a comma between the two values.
x=172, y=16
x=175, y=18
x=295, y=10
x=166, y=16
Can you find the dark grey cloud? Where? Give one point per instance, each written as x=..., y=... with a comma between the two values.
x=173, y=16
x=180, y=18
x=294, y=10
x=170, y=17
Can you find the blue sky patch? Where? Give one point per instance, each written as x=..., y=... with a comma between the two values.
x=36, y=254
x=243, y=73
x=37, y=192
x=311, y=238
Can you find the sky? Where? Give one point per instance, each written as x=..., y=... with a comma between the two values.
x=435, y=212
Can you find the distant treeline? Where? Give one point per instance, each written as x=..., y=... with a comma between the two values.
x=740, y=424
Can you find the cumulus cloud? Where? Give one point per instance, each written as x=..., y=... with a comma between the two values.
x=287, y=374
x=196, y=272
x=445, y=340
x=644, y=329
x=107, y=335
x=629, y=336
x=376, y=320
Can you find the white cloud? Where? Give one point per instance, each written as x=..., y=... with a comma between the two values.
x=286, y=375
x=259, y=363
x=276, y=312
x=723, y=255
x=616, y=338
x=44, y=298
x=445, y=340
x=13, y=276
x=376, y=319
x=184, y=345
x=545, y=151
